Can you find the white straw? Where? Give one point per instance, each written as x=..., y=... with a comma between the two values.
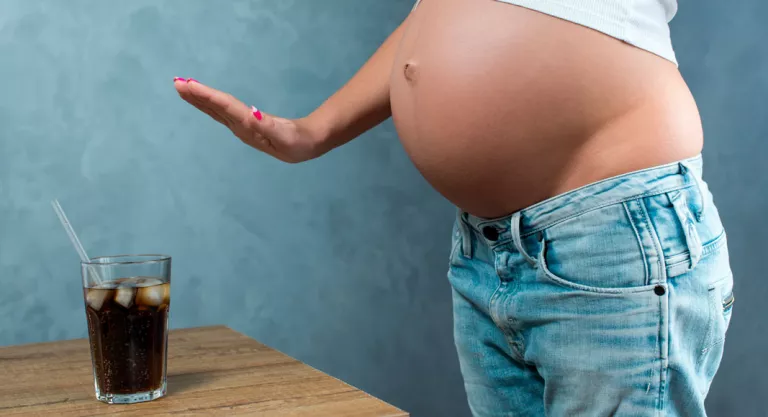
x=70, y=231
x=72, y=235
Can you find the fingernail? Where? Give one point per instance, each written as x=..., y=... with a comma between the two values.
x=179, y=79
x=256, y=113
x=193, y=80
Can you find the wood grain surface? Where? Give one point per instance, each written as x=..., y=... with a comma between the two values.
x=212, y=371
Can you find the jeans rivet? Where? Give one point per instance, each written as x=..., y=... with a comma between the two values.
x=659, y=290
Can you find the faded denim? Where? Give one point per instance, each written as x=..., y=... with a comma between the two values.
x=610, y=300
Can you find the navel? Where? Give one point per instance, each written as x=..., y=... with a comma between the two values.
x=411, y=71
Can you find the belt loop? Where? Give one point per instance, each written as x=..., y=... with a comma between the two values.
x=692, y=239
x=518, y=240
x=466, y=235
x=687, y=170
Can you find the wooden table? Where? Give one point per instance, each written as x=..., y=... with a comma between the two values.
x=211, y=371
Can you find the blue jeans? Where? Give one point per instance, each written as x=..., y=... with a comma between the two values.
x=610, y=300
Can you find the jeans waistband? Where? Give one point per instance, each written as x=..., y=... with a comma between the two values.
x=647, y=182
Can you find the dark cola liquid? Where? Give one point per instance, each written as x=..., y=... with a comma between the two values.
x=127, y=325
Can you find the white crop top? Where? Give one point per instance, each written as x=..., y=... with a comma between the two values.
x=642, y=23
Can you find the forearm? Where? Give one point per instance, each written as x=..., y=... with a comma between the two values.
x=360, y=104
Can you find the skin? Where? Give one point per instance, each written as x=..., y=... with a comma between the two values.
x=498, y=106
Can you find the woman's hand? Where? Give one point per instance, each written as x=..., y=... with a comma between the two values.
x=287, y=140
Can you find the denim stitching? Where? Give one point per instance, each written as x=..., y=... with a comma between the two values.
x=614, y=202
x=495, y=296
x=713, y=246
x=656, y=242
x=504, y=219
x=663, y=356
x=480, y=225
x=688, y=171
x=706, y=249
x=639, y=242
x=580, y=287
x=456, y=245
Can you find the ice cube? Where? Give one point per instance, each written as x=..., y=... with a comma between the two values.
x=148, y=282
x=129, y=282
x=96, y=297
x=124, y=296
x=154, y=295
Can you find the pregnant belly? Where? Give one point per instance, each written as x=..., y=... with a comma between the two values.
x=500, y=107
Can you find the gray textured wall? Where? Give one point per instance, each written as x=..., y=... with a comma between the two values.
x=340, y=261
x=723, y=56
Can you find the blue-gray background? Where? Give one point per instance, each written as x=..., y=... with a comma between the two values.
x=339, y=262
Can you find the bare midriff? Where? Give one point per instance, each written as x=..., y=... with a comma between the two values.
x=501, y=107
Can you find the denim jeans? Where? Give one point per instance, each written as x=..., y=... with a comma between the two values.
x=610, y=300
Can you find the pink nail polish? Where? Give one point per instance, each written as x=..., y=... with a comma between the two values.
x=179, y=79
x=193, y=80
x=256, y=113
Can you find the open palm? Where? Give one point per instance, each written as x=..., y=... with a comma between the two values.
x=284, y=139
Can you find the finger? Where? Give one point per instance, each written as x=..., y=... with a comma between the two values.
x=203, y=108
x=213, y=116
x=224, y=105
x=181, y=87
x=180, y=84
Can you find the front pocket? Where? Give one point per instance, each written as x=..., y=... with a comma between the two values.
x=600, y=251
x=588, y=288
